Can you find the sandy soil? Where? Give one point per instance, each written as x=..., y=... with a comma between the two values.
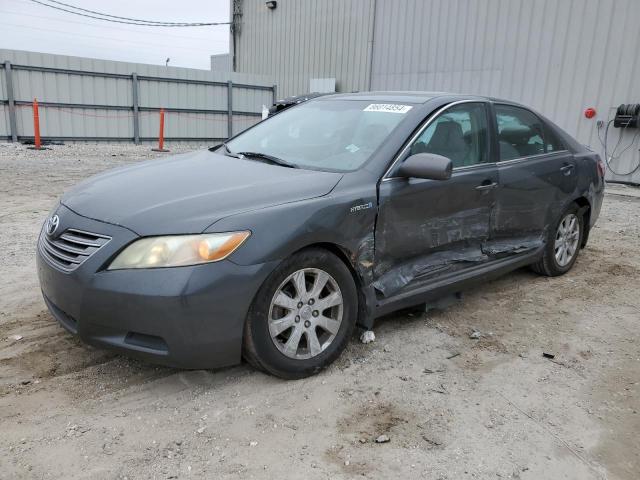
x=453, y=407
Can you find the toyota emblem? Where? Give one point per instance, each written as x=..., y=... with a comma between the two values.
x=52, y=225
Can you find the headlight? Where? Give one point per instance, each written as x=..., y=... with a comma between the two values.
x=178, y=250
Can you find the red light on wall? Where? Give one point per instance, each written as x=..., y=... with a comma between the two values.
x=590, y=112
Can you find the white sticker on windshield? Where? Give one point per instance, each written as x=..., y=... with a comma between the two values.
x=352, y=148
x=388, y=107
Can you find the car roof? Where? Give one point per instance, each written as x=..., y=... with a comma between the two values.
x=398, y=96
x=413, y=97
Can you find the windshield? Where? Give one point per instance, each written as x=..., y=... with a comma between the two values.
x=327, y=134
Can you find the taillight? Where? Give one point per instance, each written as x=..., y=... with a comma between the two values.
x=601, y=167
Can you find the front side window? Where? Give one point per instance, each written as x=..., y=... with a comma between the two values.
x=339, y=135
x=520, y=133
x=460, y=134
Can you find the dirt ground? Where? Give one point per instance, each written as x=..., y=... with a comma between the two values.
x=453, y=407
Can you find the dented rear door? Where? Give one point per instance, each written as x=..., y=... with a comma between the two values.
x=537, y=177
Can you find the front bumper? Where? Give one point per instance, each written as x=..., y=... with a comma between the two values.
x=186, y=317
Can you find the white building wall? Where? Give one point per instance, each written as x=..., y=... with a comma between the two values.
x=558, y=56
x=304, y=39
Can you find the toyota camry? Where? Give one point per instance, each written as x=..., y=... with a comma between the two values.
x=277, y=244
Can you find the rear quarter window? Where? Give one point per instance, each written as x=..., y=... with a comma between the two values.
x=552, y=142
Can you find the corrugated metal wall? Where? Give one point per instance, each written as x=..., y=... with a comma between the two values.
x=558, y=56
x=117, y=123
x=221, y=62
x=305, y=39
x=4, y=109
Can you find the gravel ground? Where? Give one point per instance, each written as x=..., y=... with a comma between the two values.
x=452, y=407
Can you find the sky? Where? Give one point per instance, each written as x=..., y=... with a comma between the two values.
x=25, y=25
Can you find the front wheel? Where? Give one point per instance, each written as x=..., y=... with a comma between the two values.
x=302, y=316
x=563, y=244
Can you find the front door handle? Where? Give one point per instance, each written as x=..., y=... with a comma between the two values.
x=487, y=186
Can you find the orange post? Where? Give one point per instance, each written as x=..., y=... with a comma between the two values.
x=36, y=124
x=161, y=134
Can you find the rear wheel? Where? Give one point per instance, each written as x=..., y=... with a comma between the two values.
x=302, y=317
x=563, y=244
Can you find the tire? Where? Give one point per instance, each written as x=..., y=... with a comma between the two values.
x=550, y=265
x=285, y=318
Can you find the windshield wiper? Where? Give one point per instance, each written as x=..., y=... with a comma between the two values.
x=227, y=152
x=268, y=158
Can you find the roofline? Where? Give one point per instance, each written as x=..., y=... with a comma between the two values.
x=427, y=96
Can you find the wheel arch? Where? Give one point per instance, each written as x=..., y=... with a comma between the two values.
x=585, y=210
x=365, y=319
x=256, y=355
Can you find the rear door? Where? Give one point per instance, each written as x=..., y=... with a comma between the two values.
x=537, y=174
x=427, y=228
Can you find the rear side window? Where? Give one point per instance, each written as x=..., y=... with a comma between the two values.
x=520, y=133
x=551, y=140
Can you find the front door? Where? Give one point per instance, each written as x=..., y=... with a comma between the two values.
x=537, y=176
x=427, y=228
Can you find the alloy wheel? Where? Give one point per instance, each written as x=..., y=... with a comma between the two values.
x=567, y=237
x=305, y=313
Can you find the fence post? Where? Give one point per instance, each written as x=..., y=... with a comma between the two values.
x=229, y=109
x=12, y=104
x=136, y=116
x=274, y=91
x=36, y=125
x=161, y=134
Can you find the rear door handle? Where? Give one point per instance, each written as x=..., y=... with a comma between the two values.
x=566, y=169
x=487, y=186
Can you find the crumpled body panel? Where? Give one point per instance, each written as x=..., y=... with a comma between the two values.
x=440, y=262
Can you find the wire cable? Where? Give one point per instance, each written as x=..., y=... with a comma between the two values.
x=123, y=18
x=139, y=44
x=111, y=28
x=610, y=157
x=143, y=23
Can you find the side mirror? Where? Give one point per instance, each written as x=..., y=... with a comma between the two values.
x=426, y=165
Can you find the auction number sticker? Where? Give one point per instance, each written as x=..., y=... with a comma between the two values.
x=388, y=107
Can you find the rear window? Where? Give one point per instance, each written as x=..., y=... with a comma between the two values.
x=551, y=141
x=520, y=133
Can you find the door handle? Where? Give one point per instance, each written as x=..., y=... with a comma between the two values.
x=487, y=186
x=567, y=169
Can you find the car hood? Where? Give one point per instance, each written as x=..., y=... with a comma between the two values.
x=187, y=193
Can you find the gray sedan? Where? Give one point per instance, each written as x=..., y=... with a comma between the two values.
x=277, y=244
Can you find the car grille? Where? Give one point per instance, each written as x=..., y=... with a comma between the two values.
x=71, y=248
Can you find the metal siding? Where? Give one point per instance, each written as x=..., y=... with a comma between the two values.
x=558, y=56
x=221, y=62
x=304, y=39
x=4, y=109
x=95, y=90
x=4, y=123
